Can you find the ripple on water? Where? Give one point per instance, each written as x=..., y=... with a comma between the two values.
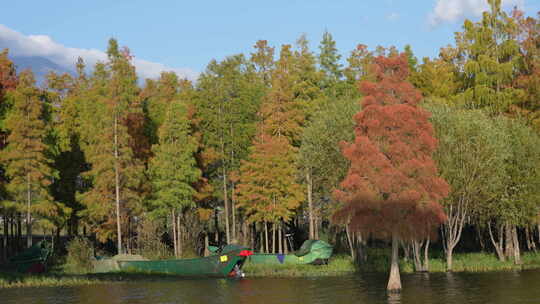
x=448, y=288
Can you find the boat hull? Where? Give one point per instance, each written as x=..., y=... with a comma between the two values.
x=221, y=265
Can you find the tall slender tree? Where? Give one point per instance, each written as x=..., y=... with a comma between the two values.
x=227, y=101
x=173, y=169
x=329, y=58
x=115, y=173
x=27, y=159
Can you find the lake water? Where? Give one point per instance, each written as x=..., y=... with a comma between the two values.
x=461, y=288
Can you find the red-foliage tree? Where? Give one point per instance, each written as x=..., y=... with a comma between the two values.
x=392, y=188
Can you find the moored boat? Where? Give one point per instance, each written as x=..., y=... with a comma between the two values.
x=311, y=252
x=226, y=262
x=33, y=259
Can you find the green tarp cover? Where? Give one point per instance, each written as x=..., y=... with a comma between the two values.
x=310, y=252
x=37, y=254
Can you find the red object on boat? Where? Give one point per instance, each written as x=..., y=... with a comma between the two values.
x=245, y=253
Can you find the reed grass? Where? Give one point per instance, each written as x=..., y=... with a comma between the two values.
x=11, y=280
x=378, y=261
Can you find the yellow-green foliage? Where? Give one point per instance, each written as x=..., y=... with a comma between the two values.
x=80, y=255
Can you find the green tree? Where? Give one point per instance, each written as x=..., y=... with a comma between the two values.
x=329, y=58
x=437, y=81
x=491, y=56
x=157, y=95
x=228, y=97
x=471, y=156
x=320, y=153
x=27, y=158
x=517, y=203
x=411, y=59
x=173, y=169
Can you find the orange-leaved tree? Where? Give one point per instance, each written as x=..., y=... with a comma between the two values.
x=392, y=188
x=268, y=191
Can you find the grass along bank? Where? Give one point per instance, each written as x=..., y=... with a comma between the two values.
x=378, y=261
x=57, y=279
x=338, y=265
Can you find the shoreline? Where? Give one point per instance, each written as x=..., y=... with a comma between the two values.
x=338, y=266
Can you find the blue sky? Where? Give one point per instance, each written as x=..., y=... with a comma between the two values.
x=186, y=35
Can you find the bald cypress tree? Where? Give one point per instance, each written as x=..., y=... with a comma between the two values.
x=392, y=189
x=491, y=56
x=115, y=172
x=26, y=157
x=173, y=169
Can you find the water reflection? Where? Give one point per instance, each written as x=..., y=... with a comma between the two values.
x=394, y=298
x=460, y=288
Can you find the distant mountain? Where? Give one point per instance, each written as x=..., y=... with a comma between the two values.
x=39, y=65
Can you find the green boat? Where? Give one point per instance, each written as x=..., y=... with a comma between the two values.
x=33, y=259
x=311, y=252
x=227, y=262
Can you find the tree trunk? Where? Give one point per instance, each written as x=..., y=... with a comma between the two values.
x=528, y=238
x=226, y=203
x=449, y=258
x=175, y=243
x=416, y=246
x=531, y=237
x=5, y=241
x=280, y=239
x=497, y=244
x=426, y=255
x=216, y=226
x=360, y=248
x=266, y=237
x=310, y=204
x=480, y=238
x=117, y=186
x=273, y=237
x=262, y=241
x=508, y=241
x=233, y=211
x=538, y=228
x=179, y=239
x=206, y=244
x=406, y=250
x=453, y=227
x=350, y=242
x=19, y=232
x=28, y=212
x=517, y=252
x=394, y=281
x=285, y=245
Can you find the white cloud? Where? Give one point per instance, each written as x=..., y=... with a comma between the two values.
x=453, y=10
x=40, y=45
